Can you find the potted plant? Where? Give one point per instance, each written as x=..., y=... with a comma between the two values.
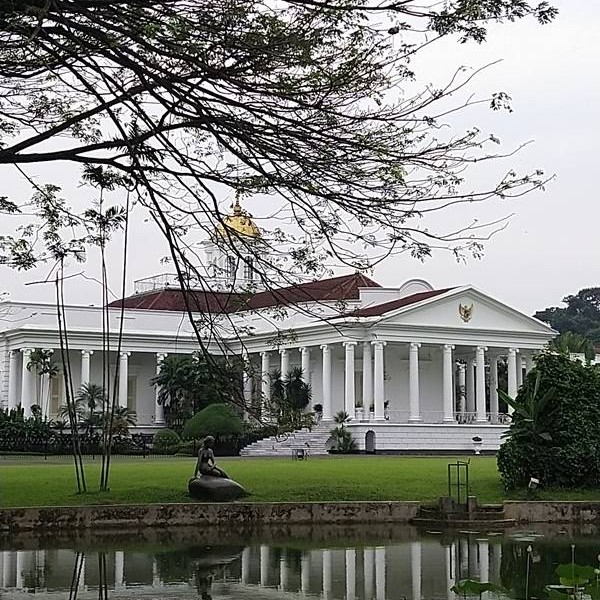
x=477, y=443
x=318, y=408
x=359, y=412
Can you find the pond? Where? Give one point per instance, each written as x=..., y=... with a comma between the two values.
x=330, y=562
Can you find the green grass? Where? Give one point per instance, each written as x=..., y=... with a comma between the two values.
x=35, y=482
x=27, y=482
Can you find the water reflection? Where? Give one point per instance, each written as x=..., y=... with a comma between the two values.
x=396, y=564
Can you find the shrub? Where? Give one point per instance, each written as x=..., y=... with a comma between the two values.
x=218, y=420
x=554, y=436
x=166, y=441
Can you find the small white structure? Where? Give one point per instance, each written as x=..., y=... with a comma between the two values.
x=415, y=367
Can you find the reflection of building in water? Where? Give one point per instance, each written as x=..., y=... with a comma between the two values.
x=416, y=570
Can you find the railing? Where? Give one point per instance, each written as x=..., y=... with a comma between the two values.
x=437, y=416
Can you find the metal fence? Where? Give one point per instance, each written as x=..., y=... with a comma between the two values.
x=138, y=444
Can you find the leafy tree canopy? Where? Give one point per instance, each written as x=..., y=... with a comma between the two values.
x=554, y=435
x=183, y=101
x=218, y=420
x=581, y=314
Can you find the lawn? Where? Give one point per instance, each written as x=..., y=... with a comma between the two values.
x=35, y=482
x=28, y=482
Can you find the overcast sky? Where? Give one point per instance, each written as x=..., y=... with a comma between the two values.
x=550, y=247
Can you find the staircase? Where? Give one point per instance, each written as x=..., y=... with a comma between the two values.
x=284, y=445
x=448, y=514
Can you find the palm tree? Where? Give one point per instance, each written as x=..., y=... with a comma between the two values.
x=289, y=397
x=123, y=419
x=40, y=361
x=570, y=342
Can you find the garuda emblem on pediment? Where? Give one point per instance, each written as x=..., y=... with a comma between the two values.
x=465, y=312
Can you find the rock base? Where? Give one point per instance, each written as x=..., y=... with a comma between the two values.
x=215, y=489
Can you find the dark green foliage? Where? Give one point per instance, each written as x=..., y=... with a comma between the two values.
x=471, y=587
x=581, y=315
x=290, y=395
x=218, y=420
x=187, y=384
x=573, y=343
x=166, y=441
x=555, y=437
x=343, y=442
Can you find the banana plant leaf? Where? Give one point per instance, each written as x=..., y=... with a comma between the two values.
x=471, y=587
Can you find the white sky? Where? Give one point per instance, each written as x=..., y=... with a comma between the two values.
x=550, y=248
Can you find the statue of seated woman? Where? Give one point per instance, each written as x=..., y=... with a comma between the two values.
x=206, y=460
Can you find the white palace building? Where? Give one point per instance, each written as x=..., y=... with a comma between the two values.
x=416, y=367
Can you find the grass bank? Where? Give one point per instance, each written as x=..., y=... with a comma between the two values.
x=35, y=482
x=28, y=482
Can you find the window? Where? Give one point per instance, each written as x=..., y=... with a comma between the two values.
x=56, y=387
x=231, y=266
x=132, y=393
x=249, y=270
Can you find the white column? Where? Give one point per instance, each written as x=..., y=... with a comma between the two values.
x=326, y=393
x=119, y=569
x=496, y=552
x=369, y=571
x=349, y=396
x=367, y=379
x=305, y=573
x=494, y=388
x=380, y=573
x=12, y=379
x=45, y=383
x=156, y=582
x=246, y=564
x=85, y=366
x=350, y=574
x=327, y=573
x=284, y=573
x=448, y=387
x=464, y=560
x=10, y=557
x=481, y=391
x=379, y=382
x=265, y=382
x=27, y=383
x=159, y=409
x=414, y=400
x=247, y=383
x=123, y=375
x=305, y=355
x=415, y=569
x=450, y=581
x=264, y=566
x=470, y=386
x=528, y=362
x=20, y=569
x=512, y=375
x=484, y=561
x=285, y=362
x=462, y=388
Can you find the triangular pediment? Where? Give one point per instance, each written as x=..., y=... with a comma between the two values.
x=466, y=308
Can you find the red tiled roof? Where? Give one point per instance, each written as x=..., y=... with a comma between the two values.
x=344, y=287
x=386, y=307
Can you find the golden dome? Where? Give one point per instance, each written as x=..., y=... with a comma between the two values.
x=240, y=222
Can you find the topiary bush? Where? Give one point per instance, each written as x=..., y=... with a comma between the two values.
x=218, y=420
x=166, y=441
x=554, y=435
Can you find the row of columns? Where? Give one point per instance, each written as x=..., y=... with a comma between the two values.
x=28, y=381
x=464, y=559
x=373, y=392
